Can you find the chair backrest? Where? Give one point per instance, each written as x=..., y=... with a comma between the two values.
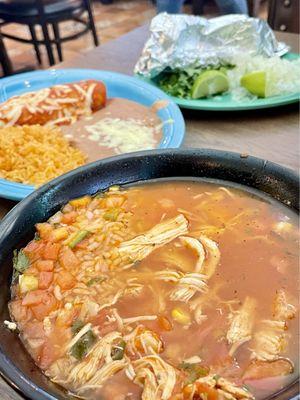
x=253, y=7
x=40, y=4
x=283, y=15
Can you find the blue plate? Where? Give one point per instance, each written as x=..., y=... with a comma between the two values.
x=117, y=85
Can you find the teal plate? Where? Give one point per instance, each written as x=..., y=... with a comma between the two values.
x=226, y=103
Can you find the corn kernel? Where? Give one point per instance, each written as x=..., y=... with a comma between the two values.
x=180, y=316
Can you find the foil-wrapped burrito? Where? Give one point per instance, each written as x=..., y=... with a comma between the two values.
x=185, y=41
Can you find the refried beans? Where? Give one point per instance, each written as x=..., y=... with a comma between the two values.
x=118, y=109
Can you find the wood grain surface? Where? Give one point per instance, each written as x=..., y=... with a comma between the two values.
x=271, y=134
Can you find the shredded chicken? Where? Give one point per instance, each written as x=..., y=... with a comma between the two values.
x=168, y=275
x=199, y=316
x=143, y=341
x=269, y=341
x=190, y=283
x=206, y=300
x=155, y=376
x=187, y=286
x=240, y=330
x=212, y=256
x=236, y=391
x=194, y=244
x=261, y=369
x=225, y=388
x=141, y=246
x=97, y=366
x=282, y=309
x=102, y=374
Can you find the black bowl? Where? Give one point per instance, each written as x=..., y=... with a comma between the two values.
x=17, y=227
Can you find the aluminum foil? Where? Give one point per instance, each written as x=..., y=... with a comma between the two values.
x=183, y=41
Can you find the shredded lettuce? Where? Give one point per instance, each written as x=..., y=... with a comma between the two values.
x=179, y=83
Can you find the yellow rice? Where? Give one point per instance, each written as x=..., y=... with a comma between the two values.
x=36, y=154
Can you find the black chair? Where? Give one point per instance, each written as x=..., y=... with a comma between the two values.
x=45, y=13
x=283, y=15
x=4, y=59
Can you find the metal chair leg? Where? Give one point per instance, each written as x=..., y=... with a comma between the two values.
x=48, y=43
x=91, y=22
x=35, y=43
x=57, y=40
x=197, y=7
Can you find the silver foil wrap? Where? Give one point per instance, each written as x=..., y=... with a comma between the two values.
x=183, y=41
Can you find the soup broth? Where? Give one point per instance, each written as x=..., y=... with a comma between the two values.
x=171, y=290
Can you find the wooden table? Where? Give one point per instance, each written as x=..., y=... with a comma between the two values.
x=270, y=134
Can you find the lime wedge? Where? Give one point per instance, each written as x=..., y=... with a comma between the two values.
x=209, y=83
x=255, y=83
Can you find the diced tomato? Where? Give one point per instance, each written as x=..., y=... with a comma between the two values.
x=34, y=249
x=65, y=280
x=45, y=265
x=32, y=298
x=48, y=304
x=164, y=323
x=65, y=317
x=44, y=230
x=51, y=251
x=32, y=246
x=47, y=355
x=18, y=311
x=69, y=218
x=211, y=393
x=34, y=330
x=67, y=258
x=45, y=279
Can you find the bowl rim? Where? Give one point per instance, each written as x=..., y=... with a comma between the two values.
x=8, y=370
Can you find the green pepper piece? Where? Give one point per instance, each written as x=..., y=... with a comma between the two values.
x=76, y=326
x=82, y=346
x=78, y=238
x=20, y=263
x=20, y=260
x=194, y=371
x=118, y=350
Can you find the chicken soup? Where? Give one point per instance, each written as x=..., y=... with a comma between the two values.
x=172, y=290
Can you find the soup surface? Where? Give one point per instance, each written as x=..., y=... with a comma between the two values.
x=171, y=290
